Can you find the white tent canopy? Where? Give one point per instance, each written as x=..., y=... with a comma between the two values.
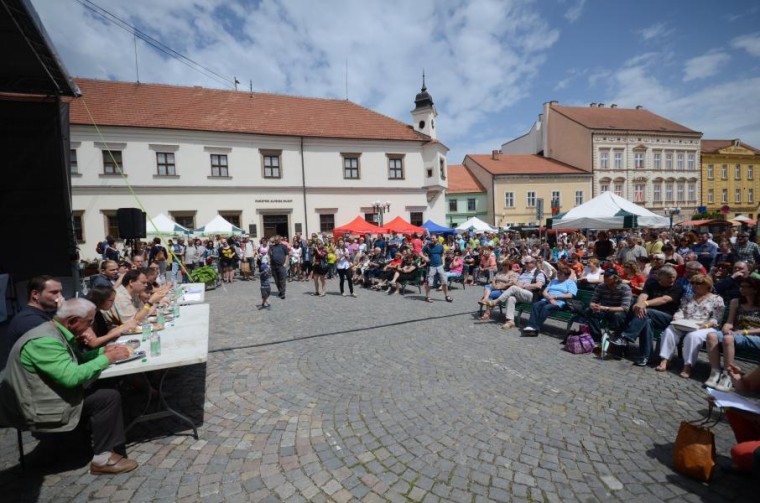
x=161, y=225
x=606, y=211
x=475, y=224
x=218, y=225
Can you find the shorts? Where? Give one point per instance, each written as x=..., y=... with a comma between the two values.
x=744, y=341
x=439, y=271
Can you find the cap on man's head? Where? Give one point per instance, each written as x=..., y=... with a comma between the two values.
x=611, y=272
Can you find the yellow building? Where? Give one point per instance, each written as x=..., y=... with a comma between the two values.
x=730, y=177
x=514, y=184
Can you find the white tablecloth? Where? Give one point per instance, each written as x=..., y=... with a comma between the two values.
x=183, y=342
x=194, y=293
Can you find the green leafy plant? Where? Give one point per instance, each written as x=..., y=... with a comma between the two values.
x=205, y=274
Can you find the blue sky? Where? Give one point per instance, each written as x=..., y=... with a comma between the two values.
x=490, y=64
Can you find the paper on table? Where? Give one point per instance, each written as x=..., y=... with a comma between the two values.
x=732, y=400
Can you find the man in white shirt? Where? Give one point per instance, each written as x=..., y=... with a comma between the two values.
x=531, y=280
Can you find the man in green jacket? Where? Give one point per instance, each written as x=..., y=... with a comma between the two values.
x=45, y=386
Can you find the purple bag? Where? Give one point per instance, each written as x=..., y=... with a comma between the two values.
x=579, y=344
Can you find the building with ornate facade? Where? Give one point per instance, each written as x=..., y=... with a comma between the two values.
x=268, y=163
x=729, y=177
x=465, y=197
x=634, y=153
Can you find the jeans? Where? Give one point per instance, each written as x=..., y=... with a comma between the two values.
x=345, y=274
x=643, y=329
x=540, y=311
x=616, y=322
x=280, y=274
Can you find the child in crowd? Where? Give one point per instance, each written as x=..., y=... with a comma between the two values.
x=266, y=289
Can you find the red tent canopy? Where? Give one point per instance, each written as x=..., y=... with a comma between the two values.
x=401, y=226
x=359, y=226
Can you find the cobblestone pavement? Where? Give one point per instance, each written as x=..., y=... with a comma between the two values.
x=388, y=398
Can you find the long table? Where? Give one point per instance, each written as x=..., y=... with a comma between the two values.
x=192, y=293
x=184, y=341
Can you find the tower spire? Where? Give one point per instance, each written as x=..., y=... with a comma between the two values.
x=424, y=87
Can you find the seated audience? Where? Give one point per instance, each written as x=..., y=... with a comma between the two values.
x=706, y=310
x=554, y=297
x=592, y=275
x=531, y=280
x=495, y=288
x=610, y=301
x=745, y=425
x=633, y=277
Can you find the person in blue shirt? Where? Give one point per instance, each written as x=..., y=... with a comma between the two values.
x=559, y=290
x=432, y=253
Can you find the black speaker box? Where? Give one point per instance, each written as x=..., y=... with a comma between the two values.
x=131, y=223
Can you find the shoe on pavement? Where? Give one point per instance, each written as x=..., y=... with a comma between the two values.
x=530, y=332
x=641, y=363
x=713, y=380
x=509, y=324
x=115, y=464
x=724, y=384
x=618, y=340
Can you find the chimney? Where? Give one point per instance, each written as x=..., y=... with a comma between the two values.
x=540, y=117
x=592, y=105
x=495, y=154
x=554, y=102
x=600, y=105
x=639, y=107
x=614, y=105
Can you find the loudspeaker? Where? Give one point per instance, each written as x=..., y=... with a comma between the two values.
x=630, y=221
x=549, y=222
x=131, y=223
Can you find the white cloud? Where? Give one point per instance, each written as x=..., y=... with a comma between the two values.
x=573, y=13
x=657, y=30
x=705, y=66
x=480, y=56
x=749, y=42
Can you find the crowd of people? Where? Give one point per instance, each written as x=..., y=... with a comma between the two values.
x=694, y=289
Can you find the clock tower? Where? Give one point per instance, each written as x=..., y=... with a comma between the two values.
x=424, y=114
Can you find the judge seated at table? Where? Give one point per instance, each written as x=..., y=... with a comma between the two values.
x=45, y=386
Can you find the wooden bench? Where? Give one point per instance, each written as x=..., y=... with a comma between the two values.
x=564, y=315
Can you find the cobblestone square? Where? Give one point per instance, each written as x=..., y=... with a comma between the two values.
x=389, y=398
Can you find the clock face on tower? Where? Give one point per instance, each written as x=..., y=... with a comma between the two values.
x=422, y=124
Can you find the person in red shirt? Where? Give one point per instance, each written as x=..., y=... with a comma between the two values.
x=633, y=276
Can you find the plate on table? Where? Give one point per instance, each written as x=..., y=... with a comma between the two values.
x=138, y=330
x=135, y=356
x=686, y=325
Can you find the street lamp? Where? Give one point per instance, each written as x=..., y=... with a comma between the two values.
x=670, y=212
x=379, y=208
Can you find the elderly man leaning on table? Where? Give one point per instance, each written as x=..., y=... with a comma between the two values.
x=45, y=386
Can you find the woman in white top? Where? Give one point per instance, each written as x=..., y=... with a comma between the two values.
x=592, y=273
x=343, y=265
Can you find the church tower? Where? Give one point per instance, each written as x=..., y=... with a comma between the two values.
x=423, y=115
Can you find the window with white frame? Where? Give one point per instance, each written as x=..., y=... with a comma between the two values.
x=509, y=199
x=165, y=164
x=680, y=192
x=638, y=160
x=619, y=189
x=657, y=192
x=73, y=162
x=638, y=192
x=724, y=196
x=578, y=197
x=669, y=191
x=710, y=172
x=556, y=199
x=679, y=161
x=669, y=160
x=351, y=166
x=604, y=187
x=658, y=160
x=738, y=172
x=618, y=160
x=531, y=199
x=453, y=205
x=395, y=167
x=604, y=159
x=691, y=162
x=750, y=195
x=271, y=163
x=710, y=196
x=750, y=172
x=724, y=172
x=738, y=195
x=692, y=188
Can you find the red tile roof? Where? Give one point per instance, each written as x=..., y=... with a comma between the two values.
x=524, y=164
x=201, y=109
x=620, y=119
x=712, y=146
x=461, y=180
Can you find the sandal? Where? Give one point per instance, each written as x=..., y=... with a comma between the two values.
x=449, y=299
x=428, y=299
x=486, y=315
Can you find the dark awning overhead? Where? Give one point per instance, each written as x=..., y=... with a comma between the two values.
x=30, y=64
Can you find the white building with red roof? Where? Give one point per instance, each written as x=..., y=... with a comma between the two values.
x=634, y=153
x=271, y=164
